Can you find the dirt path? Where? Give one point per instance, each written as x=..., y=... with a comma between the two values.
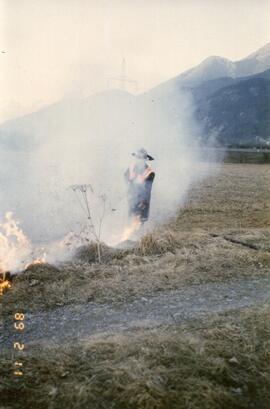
x=77, y=322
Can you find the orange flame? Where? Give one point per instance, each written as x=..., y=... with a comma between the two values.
x=131, y=229
x=4, y=284
x=40, y=260
x=14, y=245
x=15, y=248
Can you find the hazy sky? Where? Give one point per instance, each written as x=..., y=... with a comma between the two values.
x=58, y=48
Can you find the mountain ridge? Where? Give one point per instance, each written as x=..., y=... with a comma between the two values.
x=238, y=115
x=210, y=76
x=214, y=67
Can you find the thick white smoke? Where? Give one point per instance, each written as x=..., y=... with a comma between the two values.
x=90, y=141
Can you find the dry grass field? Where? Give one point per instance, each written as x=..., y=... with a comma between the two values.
x=219, y=364
x=222, y=234
x=195, y=247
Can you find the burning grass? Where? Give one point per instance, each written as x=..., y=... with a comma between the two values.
x=5, y=284
x=220, y=363
x=160, y=262
x=193, y=248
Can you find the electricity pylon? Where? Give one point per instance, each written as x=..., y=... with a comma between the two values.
x=123, y=80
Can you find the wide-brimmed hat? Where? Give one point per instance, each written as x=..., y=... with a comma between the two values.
x=142, y=154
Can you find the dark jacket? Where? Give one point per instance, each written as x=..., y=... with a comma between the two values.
x=139, y=183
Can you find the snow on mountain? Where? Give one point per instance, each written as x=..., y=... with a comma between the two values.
x=217, y=67
x=100, y=114
x=210, y=68
x=262, y=53
x=254, y=63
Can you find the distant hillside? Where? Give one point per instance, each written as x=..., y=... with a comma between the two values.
x=228, y=101
x=82, y=118
x=210, y=87
x=228, y=112
x=237, y=114
x=217, y=67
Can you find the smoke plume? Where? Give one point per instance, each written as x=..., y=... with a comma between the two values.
x=90, y=141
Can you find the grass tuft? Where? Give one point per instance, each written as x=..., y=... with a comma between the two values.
x=157, y=243
x=89, y=253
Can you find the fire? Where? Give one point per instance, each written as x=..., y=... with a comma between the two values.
x=16, y=250
x=131, y=229
x=39, y=260
x=4, y=284
x=14, y=245
x=128, y=232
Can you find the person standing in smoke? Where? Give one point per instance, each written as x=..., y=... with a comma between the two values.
x=139, y=178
